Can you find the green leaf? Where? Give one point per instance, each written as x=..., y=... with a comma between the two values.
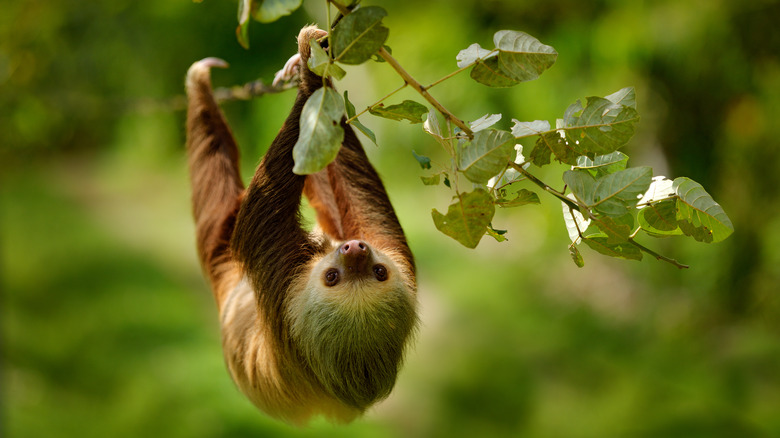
x=266, y=11
x=356, y=123
x=521, y=56
x=582, y=184
x=359, y=35
x=522, y=197
x=576, y=256
x=698, y=215
x=542, y=151
x=529, y=129
x=601, y=127
x=321, y=64
x=242, y=31
x=616, y=233
x=659, y=219
x=497, y=234
x=599, y=244
x=321, y=133
x=616, y=193
x=486, y=155
x=406, y=110
x=603, y=165
x=424, y=161
x=432, y=180
x=467, y=218
x=487, y=72
x=626, y=97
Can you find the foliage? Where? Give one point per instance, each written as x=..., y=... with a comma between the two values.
x=587, y=138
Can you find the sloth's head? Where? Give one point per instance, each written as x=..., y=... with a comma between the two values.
x=351, y=321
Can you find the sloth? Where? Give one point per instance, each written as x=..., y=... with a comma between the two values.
x=313, y=323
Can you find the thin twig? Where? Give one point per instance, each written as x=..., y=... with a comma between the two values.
x=368, y=108
x=423, y=92
x=658, y=256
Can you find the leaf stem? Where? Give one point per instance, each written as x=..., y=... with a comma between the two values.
x=656, y=255
x=423, y=92
x=448, y=76
x=586, y=212
x=548, y=189
x=368, y=108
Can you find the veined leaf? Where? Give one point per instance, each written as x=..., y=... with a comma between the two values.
x=359, y=35
x=698, y=215
x=617, y=192
x=529, y=129
x=320, y=62
x=603, y=165
x=615, y=232
x=484, y=122
x=486, y=155
x=582, y=184
x=472, y=54
x=406, y=110
x=659, y=219
x=488, y=72
x=626, y=97
x=467, y=218
x=522, y=197
x=321, y=133
x=602, y=126
x=521, y=56
x=356, y=123
x=599, y=244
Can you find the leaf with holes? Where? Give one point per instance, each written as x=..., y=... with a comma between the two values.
x=359, y=35
x=486, y=155
x=698, y=215
x=467, y=218
x=321, y=133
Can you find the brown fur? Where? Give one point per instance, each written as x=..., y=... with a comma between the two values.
x=293, y=346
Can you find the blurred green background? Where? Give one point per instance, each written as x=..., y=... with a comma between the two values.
x=108, y=328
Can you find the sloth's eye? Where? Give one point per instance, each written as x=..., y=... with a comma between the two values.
x=380, y=272
x=331, y=277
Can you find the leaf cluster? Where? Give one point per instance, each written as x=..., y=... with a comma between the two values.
x=606, y=203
